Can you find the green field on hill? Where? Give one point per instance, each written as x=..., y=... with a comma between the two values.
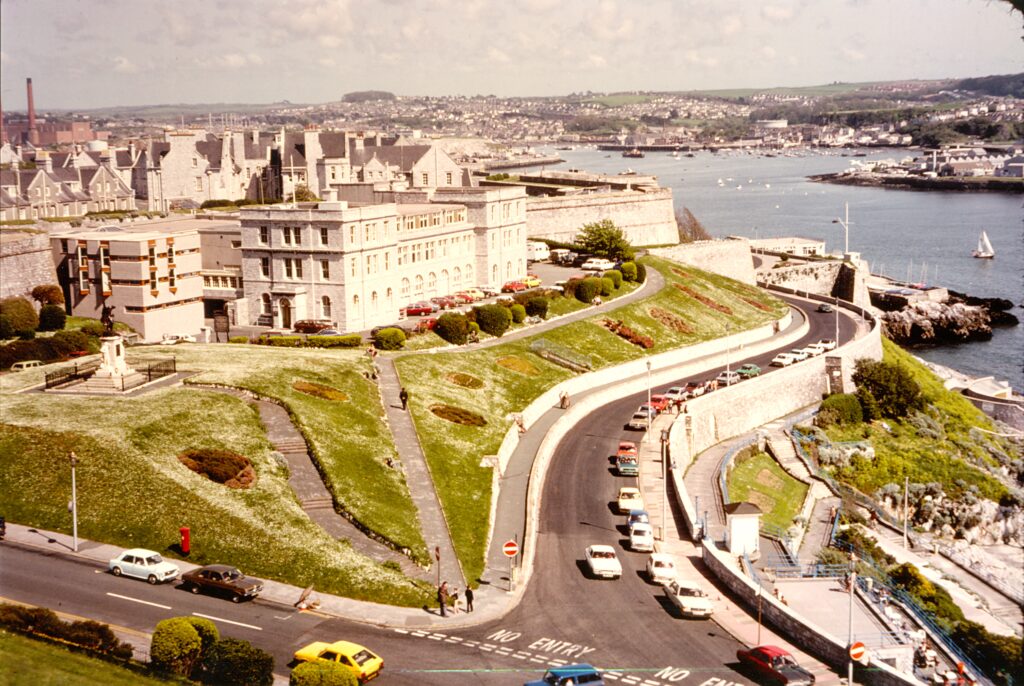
x=760, y=480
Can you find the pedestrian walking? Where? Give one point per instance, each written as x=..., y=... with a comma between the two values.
x=442, y=598
x=404, y=397
x=563, y=400
x=455, y=601
x=469, y=599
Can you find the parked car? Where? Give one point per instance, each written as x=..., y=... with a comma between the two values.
x=639, y=421
x=25, y=364
x=140, y=563
x=677, y=393
x=637, y=516
x=531, y=281
x=424, y=325
x=694, y=388
x=648, y=409
x=811, y=350
x=661, y=403
x=175, y=338
x=418, y=308
x=597, y=264
x=488, y=290
x=513, y=287
x=329, y=332
x=462, y=298
x=626, y=449
x=689, y=598
x=783, y=360
x=641, y=538
x=827, y=343
x=629, y=499
x=626, y=461
x=579, y=259
x=222, y=580
x=312, y=325
x=362, y=662
x=446, y=302
x=569, y=674
x=474, y=293
x=602, y=562
x=728, y=378
x=824, y=307
x=749, y=371
x=661, y=568
x=799, y=354
x=775, y=665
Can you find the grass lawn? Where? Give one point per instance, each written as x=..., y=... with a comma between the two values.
x=961, y=457
x=134, y=492
x=513, y=376
x=760, y=480
x=31, y=662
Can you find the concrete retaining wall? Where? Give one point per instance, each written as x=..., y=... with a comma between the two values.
x=1010, y=412
x=646, y=218
x=730, y=258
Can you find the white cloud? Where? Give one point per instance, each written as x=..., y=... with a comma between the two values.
x=853, y=54
x=694, y=57
x=497, y=55
x=777, y=12
x=327, y=62
x=596, y=61
x=539, y=6
x=236, y=60
x=123, y=65
x=768, y=52
x=254, y=59
x=607, y=23
x=731, y=25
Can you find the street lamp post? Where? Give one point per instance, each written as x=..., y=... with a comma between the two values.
x=727, y=346
x=648, y=432
x=853, y=585
x=664, y=480
x=74, y=502
x=846, y=227
x=837, y=320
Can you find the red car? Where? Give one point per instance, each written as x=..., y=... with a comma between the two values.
x=513, y=287
x=417, y=309
x=661, y=402
x=626, y=449
x=445, y=302
x=775, y=665
x=462, y=297
x=425, y=325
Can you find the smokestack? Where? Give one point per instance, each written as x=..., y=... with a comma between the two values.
x=33, y=133
x=3, y=131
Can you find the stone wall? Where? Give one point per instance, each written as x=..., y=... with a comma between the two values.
x=646, y=218
x=25, y=262
x=726, y=257
x=845, y=280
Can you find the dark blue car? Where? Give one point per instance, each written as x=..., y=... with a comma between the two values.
x=570, y=675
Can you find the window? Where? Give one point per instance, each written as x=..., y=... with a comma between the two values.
x=152, y=281
x=171, y=278
x=83, y=282
x=170, y=252
x=448, y=178
x=199, y=183
x=264, y=235
x=325, y=307
x=297, y=235
x=354, y=266
x=425, y=178
x=405, y=288
x=288, y=268
x=195, y=162
x=431, y=282
x=236, y=244
x=64, y=245
x=325, y=270
x=387, y=261
x=104, y=256
x=265, y=267
x=355, y=300
x=323, y=235
x=352, y=234
x=265, y=303
x=374, y=303
x=418, y=285
x=456, y=276
x=152, y=256
x=298, y=268
x=286, y=236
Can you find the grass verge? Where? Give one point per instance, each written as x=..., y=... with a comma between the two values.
x=761, y=480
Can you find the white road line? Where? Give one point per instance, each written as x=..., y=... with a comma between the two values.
x=401, y=631
x=228, y=621
x=420, y=633
x=486, y=648
x=472, y=644
x=489, y=646
x=538, y=660
x=455, y=638
x=435, y=637
x=652, y=683
x=611, y=677
x=136, y=600
x=519, y=657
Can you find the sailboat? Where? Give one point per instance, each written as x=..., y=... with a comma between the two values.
x=984, y=250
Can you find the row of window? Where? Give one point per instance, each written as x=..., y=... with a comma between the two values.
x=217, y=281
x=161, y=306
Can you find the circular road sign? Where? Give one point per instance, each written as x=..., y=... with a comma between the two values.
x=511, y=548
x=858, y=651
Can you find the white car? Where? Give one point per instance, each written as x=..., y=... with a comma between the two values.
x=798, y=354
x=143, y=564
x=827, y=344
x=603, y=563
x=639, y=421
x=641, y=538
x=597, y=264
x=689, y=598
x=783, y=360
x=729, y=378
x=629, y=499
x=175, y=338
x=677, y=393
x=661, y=568
x=815, y=349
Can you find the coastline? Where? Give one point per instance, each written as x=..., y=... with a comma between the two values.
x=966, y=184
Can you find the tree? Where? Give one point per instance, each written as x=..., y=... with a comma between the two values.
x=690, y=229
x=452, y=327
x=892, y=385
x=303, y=194
x=493, y=319
x=52, y=318
x=391, y=338
x=322, y=674
x=537, y=307
x=175, y=646
x=234, y=662
x=604, y=239
x=48, y=294
x=21, y=313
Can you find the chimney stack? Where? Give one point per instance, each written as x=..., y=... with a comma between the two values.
x=33, y=133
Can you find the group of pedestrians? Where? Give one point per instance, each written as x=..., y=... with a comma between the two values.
x=446, y=596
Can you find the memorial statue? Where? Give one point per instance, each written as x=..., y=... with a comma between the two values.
x=107, y=320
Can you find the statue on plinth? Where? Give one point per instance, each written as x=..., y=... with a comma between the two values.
x=107, y=320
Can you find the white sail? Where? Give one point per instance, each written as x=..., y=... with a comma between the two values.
x=985, y=249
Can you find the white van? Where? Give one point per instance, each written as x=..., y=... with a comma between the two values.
x=25, y=364
x=537, y=252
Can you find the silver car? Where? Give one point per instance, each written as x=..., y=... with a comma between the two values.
x=143, y=564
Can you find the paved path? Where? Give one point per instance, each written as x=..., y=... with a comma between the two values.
x=819, y=529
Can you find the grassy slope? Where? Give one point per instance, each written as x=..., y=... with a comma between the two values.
x=454, y=452
x=776, y=488
x=905, y=453
x=30, y=662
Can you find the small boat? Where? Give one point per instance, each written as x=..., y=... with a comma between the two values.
x=984, y=250
x=635, y=152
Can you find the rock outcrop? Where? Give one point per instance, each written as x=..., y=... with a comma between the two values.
x=933, y=323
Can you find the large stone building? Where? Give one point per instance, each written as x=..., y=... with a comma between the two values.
x=151, y=277
x=66, y=191
x=358, y=264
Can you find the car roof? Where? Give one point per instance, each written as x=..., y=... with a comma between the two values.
x=346, y=647
x=641, y=526
x=686, y=583
x=773, y=651
x=218, y=568
x=637, y=511
x=662, y=557
x=601, y=548
x=572, y=670
x=140, y=552
x=628, y=489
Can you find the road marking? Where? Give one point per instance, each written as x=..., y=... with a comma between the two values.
x=136, y=600
x=228, y=621
x=420, y=633
x=538, y=660
x=487, y=648
x=611, y=677
x=435, y=637
x=401, y=631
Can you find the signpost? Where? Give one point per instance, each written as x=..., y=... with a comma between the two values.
x=511, y=549
x=858, y=652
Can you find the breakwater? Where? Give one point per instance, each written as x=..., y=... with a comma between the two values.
x=996, y=184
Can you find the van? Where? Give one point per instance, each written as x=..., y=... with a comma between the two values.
x=559, y=255
x=25, y=364
x=537, y=252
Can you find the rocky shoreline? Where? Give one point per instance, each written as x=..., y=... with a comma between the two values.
x=961, y=318
x=921, y=183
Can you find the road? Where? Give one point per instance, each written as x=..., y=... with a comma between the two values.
x=623, y=625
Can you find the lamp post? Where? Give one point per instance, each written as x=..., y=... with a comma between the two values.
x=727, y=346
x=846, y=227
x=837, y=320
x=664, y=480
x=74, y=501
x=648, y=432
x=853, y=585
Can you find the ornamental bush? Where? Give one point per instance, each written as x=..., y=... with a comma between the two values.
x=616, y=276
x=846, y=408
x=52, y=318
x=607, y=286
x=322, y=674
x=175, y=646
x=234, y=662
x=48, y=294
x=588, y=289
x=493, y=319
x=21, y=313
x=6, y=327
x=892, y=385
x=282, y=341
x=391, y=338
x=453, y=327
x=641, y=273
x=92, y=329
x=65, y=342
x=628, y=270
x=353, y=340
x=238, y=339
x=207, y=630
x=518, y=313
x=537, y=307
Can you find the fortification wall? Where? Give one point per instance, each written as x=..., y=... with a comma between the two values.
x=645, y=218
x=844, y=279
x=25, y=262
x=727, y=257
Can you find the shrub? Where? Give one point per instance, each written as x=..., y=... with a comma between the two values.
x=537, y=307
x=453, y=327
x=6, y=327
x=220, y=202
x=22, y=315
x=92, y=329
x=869, y=406
x=493, y=319
x=322, y=674
x=391, y=338
x=629, y=271
x=234, y=662
x=282, y=341
x=207, y=630
x=607, y=286
x=238, y=339
x=569, y=289
x=641, y=273
x=220, y=466
x=48, y=294
x=892, y=385
x=518, y=313
x=588, y=289
x=846, y=408
x=175, y=646
x=52, y=318
x=93, y=636
x=994, y=650
x=26, y=335
x=616, y=276
x=352, y=340
x=474, y=327
x=930, y=597
x=64, y=342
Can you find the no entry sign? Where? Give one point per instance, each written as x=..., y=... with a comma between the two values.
x=511, y=548
x=857, y=651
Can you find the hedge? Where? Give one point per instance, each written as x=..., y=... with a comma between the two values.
x=322, y=674
x=21, y=313
x=518, y=313
x=352, y=340
x=607, y=286
x=49, y=349
x=52, y=318
x=537, y=307
x=616, y=276
x=628, y=270
x=282, y=341
x=641, y=272
x=841, y=408
x=452, y=327
x=235, y=662
x=391, y=338
x=588, y=289
x=493, y=319
x=93, y=636
x=238, y=339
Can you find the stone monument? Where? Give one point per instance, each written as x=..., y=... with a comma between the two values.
x=112, y=363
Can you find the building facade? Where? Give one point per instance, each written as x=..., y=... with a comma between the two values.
x=72, y=191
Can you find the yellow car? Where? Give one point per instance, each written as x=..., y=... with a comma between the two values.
x=531, y=280
x=363, y=663
x=630, y=499
x=475, y=293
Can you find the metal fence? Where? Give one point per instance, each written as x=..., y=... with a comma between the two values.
x=561, y=355
x=75, y=372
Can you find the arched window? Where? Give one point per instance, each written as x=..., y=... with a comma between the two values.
x=418, y=288
x=374, y=304
x=355, y=300
x=431, y=282
x=469, y=273
x=325, y=307
x=445, y=283
x=508, y=270
x=265, y=301
x=456, y=277
x=494, y=274
x=405, y=288
x=390, y=299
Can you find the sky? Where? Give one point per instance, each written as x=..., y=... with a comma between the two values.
x=85, y=54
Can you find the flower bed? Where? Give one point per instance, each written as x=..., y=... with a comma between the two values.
x=464, y=380
x=620, y=329
x=703, y=299
x=319, y=390
x=457, y=415
x=672, y=321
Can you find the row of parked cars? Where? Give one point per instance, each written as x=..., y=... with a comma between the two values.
x=800, y=354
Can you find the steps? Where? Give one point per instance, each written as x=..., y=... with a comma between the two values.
x=318, y=504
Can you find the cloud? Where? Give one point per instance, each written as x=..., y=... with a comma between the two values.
x=539, y=6
x=497, y=55
x=694, y=57
x=607, y=23
x=731, y=25
x=123, y=65
x=327, y=62
x=768, y=52
x=777, y=12
x=236, y=60
x=853, y=54
x=596, y=61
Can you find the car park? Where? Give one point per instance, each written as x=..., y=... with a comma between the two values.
x=558, y=255
x=691, y=600
x=799, y=355
x=639, y=421
x=579, y=259
x=418, y=308
x=222, y=580
x=474, y=293
x=140, y=563
x=175, y=338
x=447, y=302
x=602, y=562
x=488, y=290
x=828, y=344
x=537, y=251
x=629, y=499
x=676, y=393
x=824, y=307
x=363, y=663
x=513, y=287
x=775, y=665
x=749, y=371
x=783, y=360
x=641, y=538
x=728, y=378
x=661, y=568
x=424, y=325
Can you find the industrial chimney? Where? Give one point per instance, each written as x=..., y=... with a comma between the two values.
x=33, y=132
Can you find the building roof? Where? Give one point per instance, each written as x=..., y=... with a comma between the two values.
x=742, y=509
x=401, y=156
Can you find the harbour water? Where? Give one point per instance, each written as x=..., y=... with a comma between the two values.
x=917, y=235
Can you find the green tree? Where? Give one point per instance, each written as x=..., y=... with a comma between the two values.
x=175, y=646
x=628, y=270
x=391, y=338
x=453, y=327
x=234, y=662
x=6, y=327
x=518, y=313
x=22, y=315
x=48, y=294
x=303, y=194
x=892, y=385
x=208, y=633
x=537, y=307
x=998, y=653
x=52, y=318
x=493, y=319
x=604, y=239
x=322, y=674
x=588, y=289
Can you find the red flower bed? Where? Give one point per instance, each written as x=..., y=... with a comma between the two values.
x=620, y=329
x=760, y=306
x=703, y=299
